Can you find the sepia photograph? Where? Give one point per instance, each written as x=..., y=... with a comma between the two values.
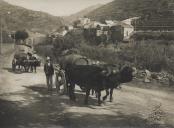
x=86, y=63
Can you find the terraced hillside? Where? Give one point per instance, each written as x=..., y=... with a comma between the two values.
x=155, y=23
x=123, y=9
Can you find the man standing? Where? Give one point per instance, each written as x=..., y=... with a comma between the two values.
x=49, y=72
x=35, y=62
x=31, y=62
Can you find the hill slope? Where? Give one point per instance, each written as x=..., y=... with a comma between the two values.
x=82, y=13
x=21, y=18
x=122, y=9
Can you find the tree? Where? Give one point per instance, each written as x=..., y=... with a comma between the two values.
x=21, y=35
x=116, y=34
x=75, y=23
x=102, y=20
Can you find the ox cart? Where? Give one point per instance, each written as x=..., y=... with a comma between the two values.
x=81, y=71
x=24, y=61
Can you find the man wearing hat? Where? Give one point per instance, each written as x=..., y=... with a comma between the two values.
x=49, y=72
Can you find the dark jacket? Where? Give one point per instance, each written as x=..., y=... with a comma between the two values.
x=49, y=70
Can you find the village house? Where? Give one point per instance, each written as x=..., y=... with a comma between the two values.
x=62, y=31
x=84, y=21
x=70, y=27
x=57, y=34
x=102, y=29
x=92, y=24
x=81, y=22
x=95, y=25
x=125, y=29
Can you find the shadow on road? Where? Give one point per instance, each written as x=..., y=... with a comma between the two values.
x=80, y=96
x=45, y=110
x=11, y=71
x=38, y=88
x=17, y=71
x=41, y=110
x=120, y=120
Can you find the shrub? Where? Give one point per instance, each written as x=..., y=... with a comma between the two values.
x=44, y=50
x=152, y=55
x=103, y=54
x=148, y=55
x=21, y=35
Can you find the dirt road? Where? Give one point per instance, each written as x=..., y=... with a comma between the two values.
x=25, y=103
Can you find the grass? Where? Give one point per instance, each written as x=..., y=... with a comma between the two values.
x=154, y=35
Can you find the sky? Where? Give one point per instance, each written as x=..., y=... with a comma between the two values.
x=57, y=7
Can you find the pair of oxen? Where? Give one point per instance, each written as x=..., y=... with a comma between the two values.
x=24, y=63
x=94, y=77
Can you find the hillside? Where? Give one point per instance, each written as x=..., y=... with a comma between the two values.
x=82, y=13
x=122, y=9
x=21, y=18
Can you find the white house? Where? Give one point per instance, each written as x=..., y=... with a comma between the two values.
x=128, y=27
x=109, y=22
x=70, y=27
x=127, y=31
x=81, y=22
x=84, y=21
x=62, y=33
x=99, y=32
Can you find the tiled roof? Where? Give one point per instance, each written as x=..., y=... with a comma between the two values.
x=122, y=24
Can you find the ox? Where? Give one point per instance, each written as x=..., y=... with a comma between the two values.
x=92, y=77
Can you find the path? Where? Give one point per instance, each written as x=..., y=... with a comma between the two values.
x=25, y=103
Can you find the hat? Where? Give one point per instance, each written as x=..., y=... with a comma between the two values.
x=48, y=58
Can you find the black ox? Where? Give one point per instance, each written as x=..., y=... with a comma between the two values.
x=92, y=77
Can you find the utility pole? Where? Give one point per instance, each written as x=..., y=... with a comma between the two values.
x=13, y=36
x=1, y=35
x=14, y=40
